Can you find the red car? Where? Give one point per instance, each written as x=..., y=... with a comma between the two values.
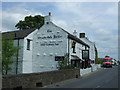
x=107, y=62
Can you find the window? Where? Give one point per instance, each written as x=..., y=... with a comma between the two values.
x=39, y=84
x=59, y=58
x=28, y=44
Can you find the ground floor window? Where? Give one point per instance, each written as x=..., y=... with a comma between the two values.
x=76, y=63
x=59, y=58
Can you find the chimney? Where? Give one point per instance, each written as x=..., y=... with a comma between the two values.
x=47, y=19
x=49, y=13
x=75, y=33
x=82, y=35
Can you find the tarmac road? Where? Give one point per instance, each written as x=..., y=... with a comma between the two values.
x=102, y=78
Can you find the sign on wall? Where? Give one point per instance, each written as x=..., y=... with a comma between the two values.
x=50, y=40
x=85, y=54
x=50, y=43
x=73, y=44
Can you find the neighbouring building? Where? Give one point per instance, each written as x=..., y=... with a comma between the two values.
x=41, y=49
x=92, y=54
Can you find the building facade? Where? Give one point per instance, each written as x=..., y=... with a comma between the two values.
x=41, y=49
x=92, y=54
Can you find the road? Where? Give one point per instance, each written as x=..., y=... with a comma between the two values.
x=102, y=78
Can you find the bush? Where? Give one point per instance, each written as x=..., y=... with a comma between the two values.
x=65, y=64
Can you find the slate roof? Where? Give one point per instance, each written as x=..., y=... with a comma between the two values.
x=18, y=34
x=77, y=39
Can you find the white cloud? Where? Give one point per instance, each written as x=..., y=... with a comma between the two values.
x=12, y=16
x=112, y=9
x=98, y=23
x=10, y=19
x=69, y=7
x=60, y=23
x=103, y=32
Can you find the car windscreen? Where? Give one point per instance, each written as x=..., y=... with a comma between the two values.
x=107, y=60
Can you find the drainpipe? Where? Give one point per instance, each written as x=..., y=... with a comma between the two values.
x=68, y=50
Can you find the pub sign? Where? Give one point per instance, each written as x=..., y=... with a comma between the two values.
x=85, y=54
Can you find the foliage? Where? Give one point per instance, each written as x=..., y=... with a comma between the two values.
x=8, y=51
x=30, y=22
x=65, y=64
x=96, y=56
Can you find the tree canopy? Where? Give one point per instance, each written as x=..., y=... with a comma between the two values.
x=30, y=22
x=96, y=56
x=8, y=51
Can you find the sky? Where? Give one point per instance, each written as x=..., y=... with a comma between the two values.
x=98, y=20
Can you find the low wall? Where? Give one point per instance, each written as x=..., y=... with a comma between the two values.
x=36, y=80
x=95, y=67
x=85, y=71
x=88, y=70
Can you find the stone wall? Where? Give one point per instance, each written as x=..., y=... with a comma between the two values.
x=37, y=80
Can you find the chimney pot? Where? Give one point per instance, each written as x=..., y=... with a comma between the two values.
x=75, y=33
x=82, y=35
x=49, y=13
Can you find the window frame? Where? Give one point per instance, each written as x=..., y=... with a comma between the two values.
x=28, y=44
x=59, y=58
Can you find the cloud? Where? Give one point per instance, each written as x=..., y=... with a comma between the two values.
x=103, y=32
x=61, y=23
x=10, y=19
x=11, y=16
x=111, y=10
x=97, y=20
x=99, y=23
x=68, y=7
x=87, y=17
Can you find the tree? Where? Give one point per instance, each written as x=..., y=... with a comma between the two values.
x=30, y=22
x=96, y=56
x=8, y=51
x=64, y=63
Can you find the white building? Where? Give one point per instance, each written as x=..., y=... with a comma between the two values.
x=42, y=49
x=91, y=44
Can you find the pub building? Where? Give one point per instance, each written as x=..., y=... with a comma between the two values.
x=41, y=49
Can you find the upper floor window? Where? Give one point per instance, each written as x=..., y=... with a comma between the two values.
x=28, y=44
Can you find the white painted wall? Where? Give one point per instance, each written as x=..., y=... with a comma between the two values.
x=44, y=55
x=28, y=54
x=92, y=48
x=78, y=48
